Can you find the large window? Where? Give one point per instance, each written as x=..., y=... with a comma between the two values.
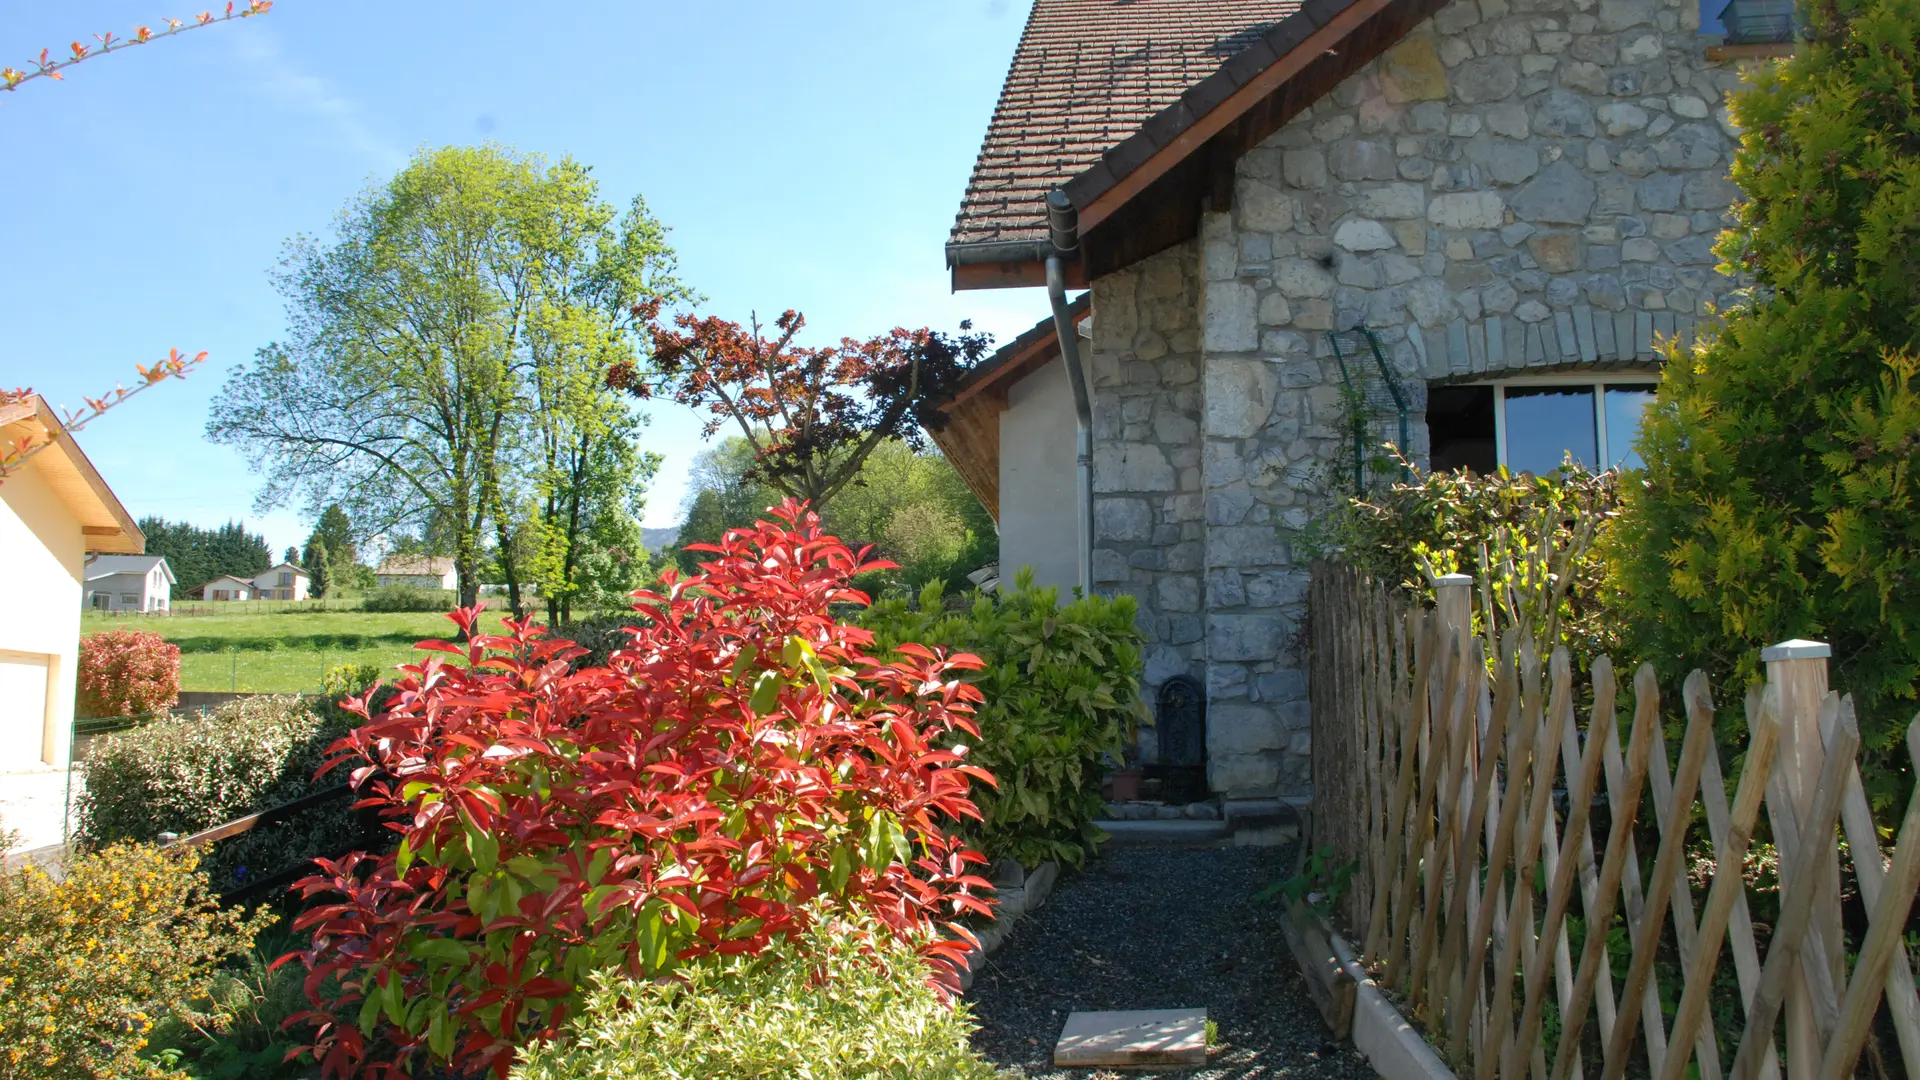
x=1532, y=425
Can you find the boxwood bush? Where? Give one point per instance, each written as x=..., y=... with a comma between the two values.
x=826, y=1006
x=1062, y=688
x=194, y=772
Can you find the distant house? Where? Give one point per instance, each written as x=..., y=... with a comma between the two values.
x=227, y=587
x=418, y=571
x=283, y=582
x=129, y=583
x=53, y=510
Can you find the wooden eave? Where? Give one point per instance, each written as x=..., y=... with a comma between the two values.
x=1146, y=194
x=104, y=523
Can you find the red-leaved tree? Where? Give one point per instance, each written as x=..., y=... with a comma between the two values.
x=740, y=765
x=812, y=414
x=127, y=672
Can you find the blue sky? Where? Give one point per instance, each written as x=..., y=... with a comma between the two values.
x=804, y=155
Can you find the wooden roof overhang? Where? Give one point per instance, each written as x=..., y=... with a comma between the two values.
x=1145, y=194
x=105, y=524
x=970, y=436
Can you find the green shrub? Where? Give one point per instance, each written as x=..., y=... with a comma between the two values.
x=1783, y=464
x=398, y=598
x=1530, y=540
x=130, y=937
x=243, y=1036
x=827, y=1008
x=1062, y=687
x=347, y=680
x=600, y=635
x=192, y=773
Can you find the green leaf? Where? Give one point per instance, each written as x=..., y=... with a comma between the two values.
x=766, y=693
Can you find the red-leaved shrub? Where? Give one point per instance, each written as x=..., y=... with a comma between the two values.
x=741, y=764
x=127, y=672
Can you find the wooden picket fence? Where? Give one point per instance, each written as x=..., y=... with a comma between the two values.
x=1470, y=792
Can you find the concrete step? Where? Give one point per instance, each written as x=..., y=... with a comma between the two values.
x=1167, y=831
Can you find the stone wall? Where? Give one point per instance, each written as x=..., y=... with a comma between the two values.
x=1519, y=183
x=1146, y=471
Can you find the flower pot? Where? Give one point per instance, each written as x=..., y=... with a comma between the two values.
x=1126, y=785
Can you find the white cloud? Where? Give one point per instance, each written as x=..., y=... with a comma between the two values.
x=284, y=82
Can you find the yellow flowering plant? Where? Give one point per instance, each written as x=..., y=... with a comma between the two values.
x=129, y=935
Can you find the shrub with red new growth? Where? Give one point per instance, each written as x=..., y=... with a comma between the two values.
x=127, y=672
x=743, y=763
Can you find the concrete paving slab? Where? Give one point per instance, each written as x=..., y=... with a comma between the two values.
x=1135, y=1037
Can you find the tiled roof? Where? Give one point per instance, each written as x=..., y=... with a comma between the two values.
x=1087, y=74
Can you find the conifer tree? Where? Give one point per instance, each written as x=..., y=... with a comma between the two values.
x=319, y=567
x=1779, y=498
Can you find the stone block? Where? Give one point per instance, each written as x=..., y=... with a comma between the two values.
x=1617, y=15
x=1304, y=169
x=1584, y=77
x=1429, y=302
x=1413, y=71
x=1506, y=162
x=1618, y=118
x=1262, y=207
x=1557, y=252
x=1467, y=210
x=1362, y=159
x=1245, y=546
x=1561, y=194
x=1178, y=592
x=1394, y=202
x=1122, y=519
x=1558, y=114
x=1140, y=1038
x=1661, y=191
x=1127, y=467
x=1229, y=323
x=1708, y=191
x=1040, y=882
x=1274, y=310
x=1236, y=637
x=1362, y=234
x=1299, y=278
x=1485, y=79
x=1239, y=396
x=1640, y=48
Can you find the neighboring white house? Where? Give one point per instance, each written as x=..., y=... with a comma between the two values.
x=418, y=571
x=283, y=582
x=227, y=587
x=129, y=583
x=53, y=510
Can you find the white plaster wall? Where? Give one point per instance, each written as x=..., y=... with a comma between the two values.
x=42, y=556
x=1037, y=498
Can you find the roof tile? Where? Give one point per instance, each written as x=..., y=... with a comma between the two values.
x=1086, y=76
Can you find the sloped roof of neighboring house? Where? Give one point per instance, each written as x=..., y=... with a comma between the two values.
x=108, y=565
x=282, y=566
x=416, y=565
x=1139, y=109
x=104, y=523
x=225, y=579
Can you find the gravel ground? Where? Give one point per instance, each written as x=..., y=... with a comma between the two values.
x=1160, y=928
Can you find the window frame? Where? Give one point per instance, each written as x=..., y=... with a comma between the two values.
x=1597, y=382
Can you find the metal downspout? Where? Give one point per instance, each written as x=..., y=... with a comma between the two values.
x=1063, y=227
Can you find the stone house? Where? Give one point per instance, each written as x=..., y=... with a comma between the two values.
x=1518, y=198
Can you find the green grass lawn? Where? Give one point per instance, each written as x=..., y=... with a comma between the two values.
x=284, y=651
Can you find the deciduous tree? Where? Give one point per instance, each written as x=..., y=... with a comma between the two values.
x=811, y=413
x=403, y=392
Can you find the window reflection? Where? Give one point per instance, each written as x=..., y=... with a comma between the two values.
x=1547, y=423
x=1625, y=405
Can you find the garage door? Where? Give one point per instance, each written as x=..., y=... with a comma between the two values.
x=23, y=710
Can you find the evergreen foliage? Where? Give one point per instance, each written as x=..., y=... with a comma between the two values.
x=319, y=566
x=1779, y=495
x=199, y=555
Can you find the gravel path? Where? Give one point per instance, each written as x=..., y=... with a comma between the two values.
x=1160, y=927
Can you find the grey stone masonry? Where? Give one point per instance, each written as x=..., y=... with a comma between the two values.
x=1517, y=184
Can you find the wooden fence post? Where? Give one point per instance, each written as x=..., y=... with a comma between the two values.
x=1453, y=598
x=1798, y=669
